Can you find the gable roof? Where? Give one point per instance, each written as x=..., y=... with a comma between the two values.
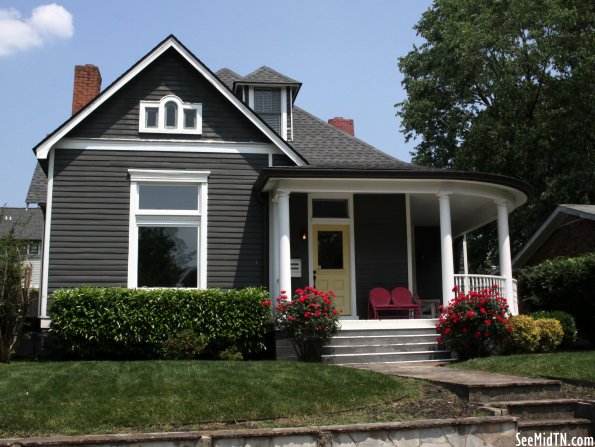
x=266, y=75
x=324, y=145
x=228, y=77
x=562, y=215
x=38, y=186
x=43, y=148
x=27, y=223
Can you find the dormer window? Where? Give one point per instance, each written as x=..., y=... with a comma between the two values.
x=267, y=104
x=170, y=115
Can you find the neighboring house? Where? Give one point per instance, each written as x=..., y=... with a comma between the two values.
x=176, y=176
x=569, y=231
x=28, y=226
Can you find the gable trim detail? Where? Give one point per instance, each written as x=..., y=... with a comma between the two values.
x=42, y=149
x=142, y=145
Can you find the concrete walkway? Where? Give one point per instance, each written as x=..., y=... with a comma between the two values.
x=474, y=386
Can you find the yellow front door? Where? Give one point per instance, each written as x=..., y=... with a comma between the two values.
x=331, y=262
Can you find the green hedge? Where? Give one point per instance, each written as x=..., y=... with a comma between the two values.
x=97, y=323
x=566, y=284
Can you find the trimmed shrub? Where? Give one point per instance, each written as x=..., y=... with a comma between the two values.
x=184, y=345
x=565, y=319
x=566, y=284
x=475, y=325
x=524, y=336
x=550, y=334
x=120, y=323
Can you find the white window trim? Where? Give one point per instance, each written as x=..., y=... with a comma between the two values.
x=160, y=105
x=168, y=217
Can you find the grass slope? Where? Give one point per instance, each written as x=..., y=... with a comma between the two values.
x=576, y=365
x=109, y=397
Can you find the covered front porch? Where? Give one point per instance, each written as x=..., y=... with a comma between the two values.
x=350, y=234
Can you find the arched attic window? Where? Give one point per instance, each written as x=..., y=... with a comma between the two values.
x=170, y=115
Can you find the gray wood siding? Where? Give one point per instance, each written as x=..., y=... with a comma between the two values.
x=169, y=74
x=298, y=218
x=380, y=244
x=90, y=216
x=282, y=160
x=428, y=263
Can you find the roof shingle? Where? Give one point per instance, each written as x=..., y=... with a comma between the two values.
x=27, y=222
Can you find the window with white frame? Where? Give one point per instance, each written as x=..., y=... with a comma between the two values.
x=168, y=218
x=170, y=115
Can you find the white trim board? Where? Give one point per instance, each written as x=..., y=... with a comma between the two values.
x=142, y=145
x=44, y=148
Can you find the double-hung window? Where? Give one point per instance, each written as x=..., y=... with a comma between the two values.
x=267, y=104
x=168, y=218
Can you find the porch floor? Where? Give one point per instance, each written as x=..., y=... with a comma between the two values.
x=389, y=323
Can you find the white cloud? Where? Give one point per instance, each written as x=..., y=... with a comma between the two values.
x=46, y=22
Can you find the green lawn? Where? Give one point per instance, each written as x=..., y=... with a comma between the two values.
x=577, y=365
x=109, y=397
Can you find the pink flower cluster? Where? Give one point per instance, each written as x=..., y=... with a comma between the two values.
x=474, y=324
x=310, y=318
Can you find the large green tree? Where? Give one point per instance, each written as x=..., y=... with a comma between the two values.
x=506, y=86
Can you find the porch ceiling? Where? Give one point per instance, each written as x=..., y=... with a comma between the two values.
x=467, y=212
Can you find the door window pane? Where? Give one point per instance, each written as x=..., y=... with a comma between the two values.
x=168, y=197
x=330, y=249
x=167, y=256
x=330, y=208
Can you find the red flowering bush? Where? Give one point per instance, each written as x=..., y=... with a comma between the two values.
x=309, y=320
x=476, y=324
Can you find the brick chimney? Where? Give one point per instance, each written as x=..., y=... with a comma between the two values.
x=87, y=85
x=344, y=124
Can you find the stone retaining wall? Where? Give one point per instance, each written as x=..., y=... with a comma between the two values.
x=486, y=431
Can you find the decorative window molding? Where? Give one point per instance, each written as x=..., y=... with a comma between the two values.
x=170, y=115
x=168, y=207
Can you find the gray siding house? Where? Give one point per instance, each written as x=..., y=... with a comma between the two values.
x=177, y=176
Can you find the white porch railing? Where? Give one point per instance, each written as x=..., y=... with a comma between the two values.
x=465, y=283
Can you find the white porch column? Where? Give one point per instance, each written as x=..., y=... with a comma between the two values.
x=448, y=270
x=274, y=267
x=505, y=257
x=284, y=243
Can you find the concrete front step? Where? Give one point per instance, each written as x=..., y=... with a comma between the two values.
x=383, y=332
x=380, y=348
x=569, y=427
x=534, y=390
x=386, y=357
x=350, y=340
x=540, y=409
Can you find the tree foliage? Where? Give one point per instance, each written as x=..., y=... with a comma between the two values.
x=507, y=86
x=15, y=279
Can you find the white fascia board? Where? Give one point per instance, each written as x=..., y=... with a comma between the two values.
x=391, y=186
x=167, y=145
x=43, y=150
x=163, y=175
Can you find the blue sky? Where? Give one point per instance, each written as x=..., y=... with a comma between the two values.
x=344, y=52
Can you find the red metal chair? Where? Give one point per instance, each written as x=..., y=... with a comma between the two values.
x=378, y=298
x=402, y=299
